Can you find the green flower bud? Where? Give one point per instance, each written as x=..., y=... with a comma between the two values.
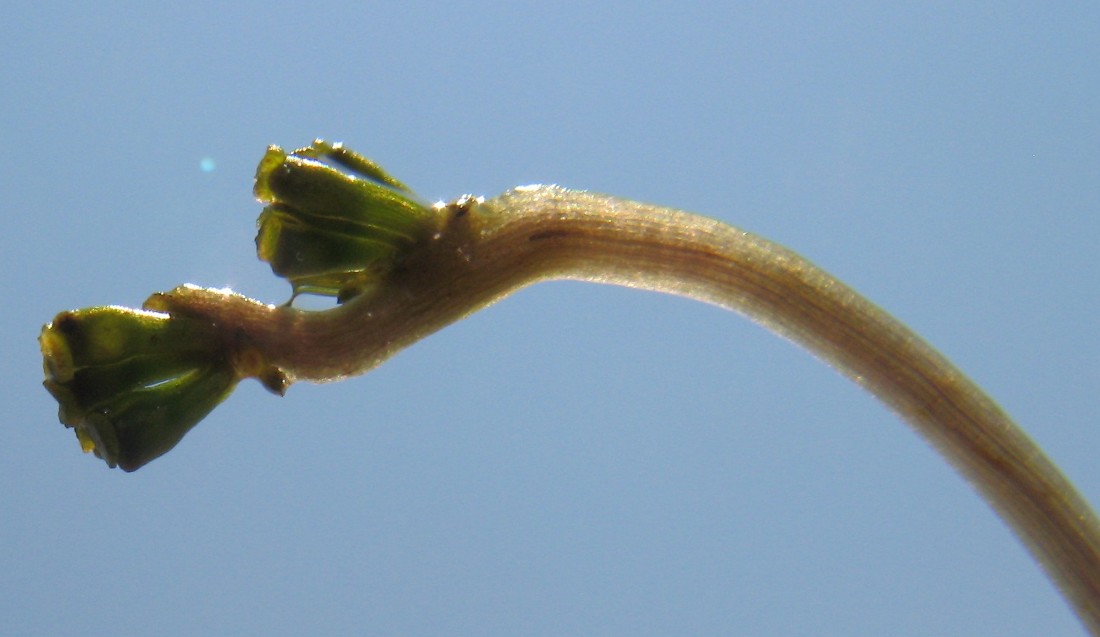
x=336, y=222
x=132, y=383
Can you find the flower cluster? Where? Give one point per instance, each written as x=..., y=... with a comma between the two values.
x=132, y=383
x=335, y=222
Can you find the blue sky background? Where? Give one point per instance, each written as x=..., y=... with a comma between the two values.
x=577, y=459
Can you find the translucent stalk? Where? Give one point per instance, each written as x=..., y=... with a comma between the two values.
x=484, y=251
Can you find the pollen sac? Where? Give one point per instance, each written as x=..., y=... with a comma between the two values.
x=335, y=223
x=130, y=382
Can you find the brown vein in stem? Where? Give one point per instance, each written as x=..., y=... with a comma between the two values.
x=539, y=233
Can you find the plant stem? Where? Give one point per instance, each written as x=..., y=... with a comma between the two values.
x=484, y=251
